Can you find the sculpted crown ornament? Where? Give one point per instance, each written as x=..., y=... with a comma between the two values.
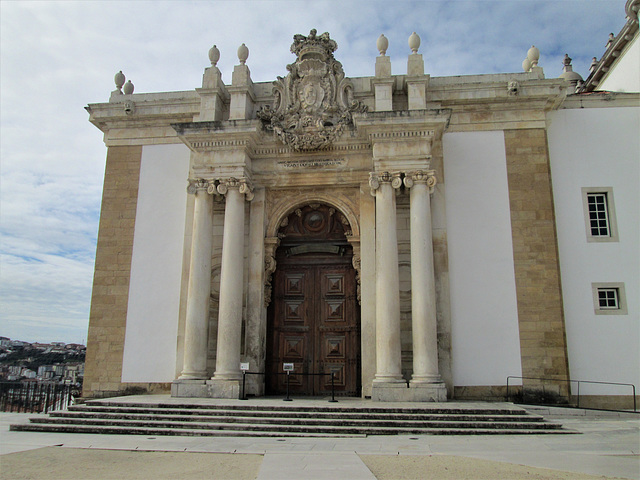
x=314, y=102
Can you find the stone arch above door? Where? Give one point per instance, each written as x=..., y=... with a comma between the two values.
x=281, y=211
x=285, y=206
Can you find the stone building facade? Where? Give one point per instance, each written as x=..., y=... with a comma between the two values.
x=395, y=235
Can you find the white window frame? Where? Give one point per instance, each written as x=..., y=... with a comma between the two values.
x=618, y=287
x=612, y=225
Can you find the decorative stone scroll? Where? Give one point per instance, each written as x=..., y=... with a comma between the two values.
x=427, y=177
x=314, y=102
x=201, y=184
x=242, y=184
x=377, y=178
x=270, y=246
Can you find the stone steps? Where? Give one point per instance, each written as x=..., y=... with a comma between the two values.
x=319, y=419
x=288, y=420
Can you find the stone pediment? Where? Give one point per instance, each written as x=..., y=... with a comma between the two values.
x=314, y=102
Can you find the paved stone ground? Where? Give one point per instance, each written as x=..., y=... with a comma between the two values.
x=609, y=447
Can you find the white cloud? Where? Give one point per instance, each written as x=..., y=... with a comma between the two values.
x=57, y=56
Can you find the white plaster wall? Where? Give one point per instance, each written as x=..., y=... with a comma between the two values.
x=625, y=74
x=598, y=147
x=484, y=316
x=156, y=266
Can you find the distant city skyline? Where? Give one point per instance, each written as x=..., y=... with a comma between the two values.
x=54, y=342
x=57, y=57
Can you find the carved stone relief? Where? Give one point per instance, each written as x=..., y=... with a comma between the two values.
x=314, y=102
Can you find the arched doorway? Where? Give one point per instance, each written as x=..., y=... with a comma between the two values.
x=313, y=318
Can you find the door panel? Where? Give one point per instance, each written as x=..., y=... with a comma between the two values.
x=314, y=324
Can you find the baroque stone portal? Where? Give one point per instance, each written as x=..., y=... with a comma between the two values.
x=314, y=102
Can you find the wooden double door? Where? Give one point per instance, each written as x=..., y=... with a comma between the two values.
x=314, y=323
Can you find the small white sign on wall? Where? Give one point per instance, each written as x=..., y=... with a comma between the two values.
x=244, y=367
x=287, y=367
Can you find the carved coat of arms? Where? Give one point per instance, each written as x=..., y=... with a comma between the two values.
x=314, y=102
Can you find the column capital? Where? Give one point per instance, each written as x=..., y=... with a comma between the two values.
x=422, y=177
x=201, y=184
x=243, y=185
x=378, y=178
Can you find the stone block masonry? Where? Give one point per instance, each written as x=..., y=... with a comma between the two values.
x=537, y=271
x=108, y=316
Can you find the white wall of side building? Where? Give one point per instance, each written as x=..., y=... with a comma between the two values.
x=598, y=147
x=484, y=316
x=156, y=266
x=624, y=76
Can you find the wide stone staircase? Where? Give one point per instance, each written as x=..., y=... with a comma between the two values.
x=276, y=419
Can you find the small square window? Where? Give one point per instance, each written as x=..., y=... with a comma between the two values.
x=599, y=214
x=609, y=298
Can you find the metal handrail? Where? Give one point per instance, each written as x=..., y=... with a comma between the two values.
x=633, y=387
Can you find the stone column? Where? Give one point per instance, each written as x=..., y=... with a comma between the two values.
x=426, y=378
x=388, y=347
x=197, y=320
x=231, y=289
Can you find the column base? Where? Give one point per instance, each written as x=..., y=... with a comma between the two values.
x=217, y=388
x=428, y=392
x=389, y=391
x=415, y=392
x=185, y=388
x=206, y=388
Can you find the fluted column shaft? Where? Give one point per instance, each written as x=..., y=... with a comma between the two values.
x=197, y=317
x=231, y=286
x=423, y=291
x=388, y=346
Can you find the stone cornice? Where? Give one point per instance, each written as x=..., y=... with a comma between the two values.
x=538, y=94
x=601, y=100
x=401, y=124
x=611, y=54
x=139, y=110
x=146, y=119
x=212, y=136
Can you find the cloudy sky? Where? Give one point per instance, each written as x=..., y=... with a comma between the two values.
x=56, y=57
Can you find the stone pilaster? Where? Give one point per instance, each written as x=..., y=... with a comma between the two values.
x=426, y=378
x=110, y=296
x=256, y=318
x=368, y=289
x=388, y=346
x=537, y=272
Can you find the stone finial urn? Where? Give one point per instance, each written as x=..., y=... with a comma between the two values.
x=414, y=42
x=214, y=55
x=382, y=44
x=533, y=55
x=243, y=53
x=119, y=78
x=128, y=88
